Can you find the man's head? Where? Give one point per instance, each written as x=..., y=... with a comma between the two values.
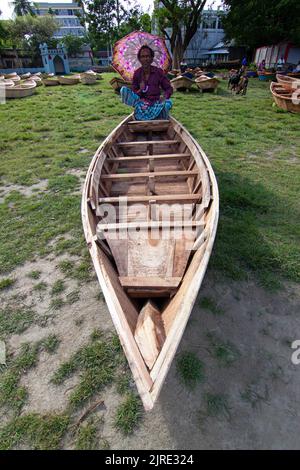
x=146, y=56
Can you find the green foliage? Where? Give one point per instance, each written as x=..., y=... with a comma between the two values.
x=74, y=44
x=255, y=23
x=22, y=7
x=50, y=343
x=226, y=353
x=34, y=431
x=190, y=369
x=15, y=321
x=209, y=304
x=86, y=437
x=58, y=287
x=10, y=393
x=97, y=362
x=6, y=283
x=128, y=414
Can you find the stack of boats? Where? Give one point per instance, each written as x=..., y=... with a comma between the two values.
x=286, y=93
x=19, y=86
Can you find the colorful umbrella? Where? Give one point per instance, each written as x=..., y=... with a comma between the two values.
x=125, y=60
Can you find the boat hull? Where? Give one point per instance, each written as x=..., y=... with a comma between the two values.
x=285, y=99
x=177, y=288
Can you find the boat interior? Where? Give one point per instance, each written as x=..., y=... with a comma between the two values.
x=157, y=168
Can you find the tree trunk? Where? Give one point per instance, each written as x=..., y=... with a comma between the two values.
x=178, y=52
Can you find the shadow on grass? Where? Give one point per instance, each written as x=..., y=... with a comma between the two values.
x=252, y=235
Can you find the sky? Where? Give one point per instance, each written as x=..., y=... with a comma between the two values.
x=7, y=9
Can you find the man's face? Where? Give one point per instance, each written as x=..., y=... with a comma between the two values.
x=145, y=57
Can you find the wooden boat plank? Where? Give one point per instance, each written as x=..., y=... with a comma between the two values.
x=154, y=157
x=158, y=174
x=149, y=334
x=150, y=282
x=161, y=198
x=147, y=143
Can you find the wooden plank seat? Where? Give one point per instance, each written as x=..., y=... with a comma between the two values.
x=166, y=156
x=147, y=143
x=150, y=282
x=156, y=174
x=163, y=198
x=158, y=125
x=151, y=224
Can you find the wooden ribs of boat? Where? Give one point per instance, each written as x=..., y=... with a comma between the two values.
x=289, y=100
x=182, y=83
x=150, y=212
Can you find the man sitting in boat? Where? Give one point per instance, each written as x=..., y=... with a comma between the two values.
x=145, y=94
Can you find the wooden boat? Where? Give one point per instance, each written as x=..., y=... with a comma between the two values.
x=182, y=83
x=71, y=80
x=16, y=79
x=20, y=91
x=118, y=82
x=9, y=76
x=205, y=83
x=289, y=83
x=266, y=76
x=294, y=75
x=150, y=264
x=7, y=83
x=285, y=99
x=25, y=76
x=28, y=83
x=50, y=81
x=88, y=78
x=37, y=80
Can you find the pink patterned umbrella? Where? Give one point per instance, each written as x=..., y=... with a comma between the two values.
x=125, y=52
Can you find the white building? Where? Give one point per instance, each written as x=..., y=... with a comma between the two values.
x=208, y=36
x=66, y=14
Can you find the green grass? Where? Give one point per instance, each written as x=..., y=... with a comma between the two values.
x=190, y=369
x=15, y=320
x=209, y=304
x=225, y=353
x=50, y=344
x=86, y=437
x=35, y=274
x=217, y=405
x=97, y=363
x=34, y=431
x=11, y=394
x=6, y=283
x=41, y=286
x=128, y=414
x=58, y=287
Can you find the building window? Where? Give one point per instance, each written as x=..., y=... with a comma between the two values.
x=70, y=12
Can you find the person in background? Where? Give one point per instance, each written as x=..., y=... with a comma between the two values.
x=262, y=66
x=280, y=63
x=147, y=82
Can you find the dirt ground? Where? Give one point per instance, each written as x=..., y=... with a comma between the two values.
x=261, y=386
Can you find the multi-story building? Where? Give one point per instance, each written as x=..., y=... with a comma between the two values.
x=210, y=34
x=66, y=14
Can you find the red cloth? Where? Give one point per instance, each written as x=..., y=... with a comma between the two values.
x=156, y=81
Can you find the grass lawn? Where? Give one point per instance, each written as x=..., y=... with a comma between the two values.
x=46, y=144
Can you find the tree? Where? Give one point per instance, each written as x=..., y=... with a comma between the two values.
x=73, y=44
x=28, y=32
x=178, y=21
x=262, y=22
x=22, y=7
x=109, y=20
